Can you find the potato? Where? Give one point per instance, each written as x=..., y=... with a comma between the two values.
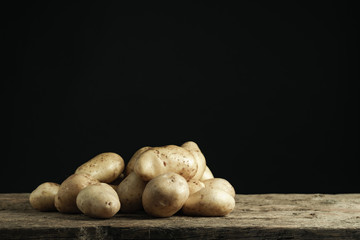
x=199, y=158
x=165, y=194
x=65, y=199
x=130, y=192
x=113, y=186
x=105, y=167
x=207, y=174
x=159, y=160
x=43, y=197
x=130, y=165
x=220, y=183
x=118, y=180
x=195, y=185
x=98, y=201
x=209, y=202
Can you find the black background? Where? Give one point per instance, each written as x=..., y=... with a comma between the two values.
x=266, y=89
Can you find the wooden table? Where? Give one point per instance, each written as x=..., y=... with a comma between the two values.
x=265, y=216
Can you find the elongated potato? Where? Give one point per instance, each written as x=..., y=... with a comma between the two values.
x=164, y=195
x=130, y=165
x=209, y=202
x=159, y=160
x=105, y=167
x=43, y=197
x=98, y=201
x=207, y=174
x=220, y=183
x=130, y=192
x=65, y=199
x=199, y=158
x=195, y=185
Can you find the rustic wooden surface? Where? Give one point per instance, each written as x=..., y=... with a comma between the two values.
x=265, y=216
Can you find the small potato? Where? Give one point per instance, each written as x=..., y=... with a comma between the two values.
x=209, y=202
x=130, y=192
x=207, y=174
x=195, y=185
x=159, y=160
x=199, y=158
x=98, y=201
x=220, y=183
x=130, y=165
x=65, y=199
x=105, y=167
x=43, y=197
x=164, y=195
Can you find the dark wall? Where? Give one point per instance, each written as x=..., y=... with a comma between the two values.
x=265, y=89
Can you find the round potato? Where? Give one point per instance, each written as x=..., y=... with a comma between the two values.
x=195, y=185
x=130, y=165
x=65, y=199
x=43, y=197
x=199, y=158
x=164, y=195
x=130, y=192
x=207, y=174
x=105, y=167
x=221, y=184
x=159, y=160
x=98, y=201
x=209, y=202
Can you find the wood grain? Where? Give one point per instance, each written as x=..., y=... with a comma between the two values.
x=264, y=216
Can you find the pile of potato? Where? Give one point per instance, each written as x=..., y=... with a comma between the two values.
x=160, y=180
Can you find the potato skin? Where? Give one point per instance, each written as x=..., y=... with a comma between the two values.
x=65, y=199
x=98, y=201
x=165, y=194
x=199, y=158
x=195, y=185
x=220, y=183
x=130, y=165
x=159, y=160
x=105, y=167
x=130, y=192
x=210, y=202
x=118, y=180
x=207, y=174
x=43, y=197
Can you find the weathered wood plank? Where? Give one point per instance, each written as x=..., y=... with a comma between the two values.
x=264, y=216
